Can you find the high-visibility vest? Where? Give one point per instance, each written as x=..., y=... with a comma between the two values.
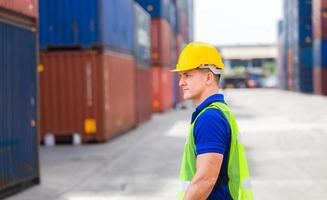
x=238, y=172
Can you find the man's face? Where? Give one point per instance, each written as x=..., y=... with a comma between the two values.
x=192, y=82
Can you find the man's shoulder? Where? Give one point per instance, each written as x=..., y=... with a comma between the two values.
x=212, y=115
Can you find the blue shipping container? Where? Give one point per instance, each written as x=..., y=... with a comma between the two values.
x=305, y=33
x=18, y=133
x=142, y=36
x=320, y=53
x=306, y=79
x=87, y=24
x=305, y=57
x=305, y=8
x=157, y=8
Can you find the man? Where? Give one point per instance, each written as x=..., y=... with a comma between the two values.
x=214, y=165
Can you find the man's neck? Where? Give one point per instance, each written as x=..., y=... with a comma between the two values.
x=205, y=95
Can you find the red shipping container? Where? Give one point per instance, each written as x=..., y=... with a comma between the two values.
x=28, y=8
x=320, y=4
x=162, y=89
x=290, y=70
x=319, y=22
x=161, y=37
x=89, y=93
x=143, y=94
x=320, y=80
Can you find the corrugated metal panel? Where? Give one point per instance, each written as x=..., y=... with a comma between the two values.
x=306, y=79
x=142, y=36
x=161, y=36
x=320, y=80
x=320, y=19
x=320, y=53
x=87, y=24
x=290, y=69
x=24, y=7
x=190, y=36
x=183, y=25
x=162, y=89
x=306, y=57
x=79, y=88
x=177, y=90
x=173, y=15
x=157, y=9
x=320, y=23
x=321, y=4
x=18, y=132
x=143, y=94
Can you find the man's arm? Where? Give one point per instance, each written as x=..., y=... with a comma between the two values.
x=207, y=171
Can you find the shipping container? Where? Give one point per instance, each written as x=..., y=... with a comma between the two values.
x=178, y=95
x=320, y=80
x=87, y=92
x=306, y=79
x=190, y=25
x=183, y=5
x=319, y=23
x=143, y=94
x=173, y=17
x=183, y=25
x=319, y=4
x=158, y=8
x=161, y=43
x=320, y=53
x=282, y=72
x=28, y=8
x=162, y=89
x=19, y=164
x=142, y=36
x=87, y=24
x=290, y=70
x=305, y=57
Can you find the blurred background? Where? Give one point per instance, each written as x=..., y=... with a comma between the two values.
x=76, y=74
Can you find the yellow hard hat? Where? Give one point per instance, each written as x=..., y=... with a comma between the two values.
x=197, y=54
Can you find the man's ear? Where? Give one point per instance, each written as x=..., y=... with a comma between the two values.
x=209, y=77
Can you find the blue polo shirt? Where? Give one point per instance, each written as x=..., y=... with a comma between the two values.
x=212, y=134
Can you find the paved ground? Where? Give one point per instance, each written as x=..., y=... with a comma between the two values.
x=285, y=134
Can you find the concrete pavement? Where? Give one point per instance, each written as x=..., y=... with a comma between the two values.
x=284, y=133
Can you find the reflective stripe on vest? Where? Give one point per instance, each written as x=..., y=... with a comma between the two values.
x=239, y=183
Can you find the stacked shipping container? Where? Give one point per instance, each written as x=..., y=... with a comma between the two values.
x=88, y=77
x=18, y=111
x=162, y=36
x=304, y=46
x=296, y=68
x=143, y=62
x=171, y=24
x=320, y=46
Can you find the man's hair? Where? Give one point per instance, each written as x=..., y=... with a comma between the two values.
x=216, y=76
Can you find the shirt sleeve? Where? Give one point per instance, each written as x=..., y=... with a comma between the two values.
x=211, y=132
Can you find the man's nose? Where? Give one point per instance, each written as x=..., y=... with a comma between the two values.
x=181, y=81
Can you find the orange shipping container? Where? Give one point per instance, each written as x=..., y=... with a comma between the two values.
x=24, y=7
x=143, y=94
x=320, y=80
x=162, y=89
x=161, y=37
x=89, y=93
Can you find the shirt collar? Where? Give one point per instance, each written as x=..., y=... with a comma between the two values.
x=213, y=98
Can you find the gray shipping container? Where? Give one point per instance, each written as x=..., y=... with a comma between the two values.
x=19, y=165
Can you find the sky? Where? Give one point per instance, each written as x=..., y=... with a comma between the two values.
x=231, y=22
